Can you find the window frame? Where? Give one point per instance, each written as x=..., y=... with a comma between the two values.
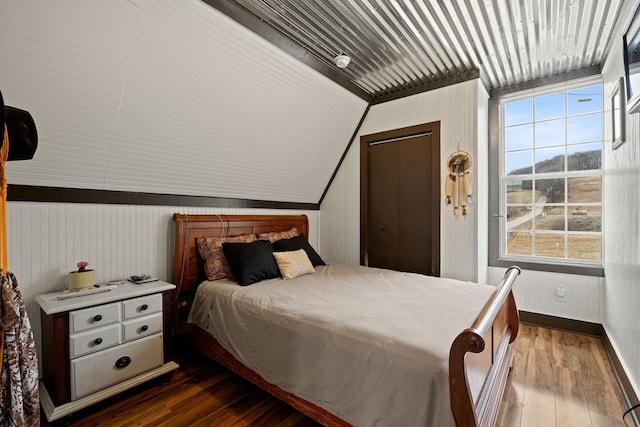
x=497, y=186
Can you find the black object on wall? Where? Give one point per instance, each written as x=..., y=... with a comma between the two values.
x=23, y=136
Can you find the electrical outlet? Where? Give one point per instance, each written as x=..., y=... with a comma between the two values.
x=561, y=294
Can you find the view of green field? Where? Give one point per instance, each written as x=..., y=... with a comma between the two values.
x=580, y=246
x=521, y=197
x=585, y=246
x=587, y=189
x=556, y=218
x=579, y=218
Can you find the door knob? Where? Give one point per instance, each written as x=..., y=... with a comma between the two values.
x=384, y=228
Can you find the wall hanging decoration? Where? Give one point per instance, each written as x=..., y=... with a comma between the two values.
x=458, y=185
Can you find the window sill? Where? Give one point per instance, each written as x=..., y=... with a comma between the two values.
x=583, y=270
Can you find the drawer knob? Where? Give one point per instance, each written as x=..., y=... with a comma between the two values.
x=97, y=341
x=144, y=328
x=97, y=317
x=144, y=307
x=123, y=362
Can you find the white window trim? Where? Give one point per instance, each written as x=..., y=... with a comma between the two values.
x=501, y=259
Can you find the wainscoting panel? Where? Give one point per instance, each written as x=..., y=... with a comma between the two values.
x=534, y=291
x=46, y=240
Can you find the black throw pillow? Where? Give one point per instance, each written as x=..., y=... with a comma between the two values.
x=295, y=243
x=251, y=262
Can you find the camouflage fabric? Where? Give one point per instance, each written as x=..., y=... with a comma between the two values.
x=19, y=397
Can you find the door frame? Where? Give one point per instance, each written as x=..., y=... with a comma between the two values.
x=401, y=133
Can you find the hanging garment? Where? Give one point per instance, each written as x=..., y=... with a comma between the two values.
x=4, y=153
x=19, y=397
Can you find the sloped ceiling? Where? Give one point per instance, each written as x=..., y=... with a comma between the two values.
x=242, y=100
x=399, y=47
x=159, y=96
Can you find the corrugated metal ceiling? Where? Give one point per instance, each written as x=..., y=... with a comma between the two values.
x=400, y=46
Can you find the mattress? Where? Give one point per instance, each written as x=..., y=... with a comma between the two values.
x=368, y=345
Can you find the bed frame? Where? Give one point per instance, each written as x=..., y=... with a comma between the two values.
x=479, y=360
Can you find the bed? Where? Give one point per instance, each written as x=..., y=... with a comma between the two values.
x=437, y=353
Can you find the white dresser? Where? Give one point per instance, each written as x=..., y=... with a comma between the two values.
x=97, y=345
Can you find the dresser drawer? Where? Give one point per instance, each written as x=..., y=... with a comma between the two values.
x=142, y=326
x=94, y=317
x=94, y=339
x=96, y=371
x=142, y=306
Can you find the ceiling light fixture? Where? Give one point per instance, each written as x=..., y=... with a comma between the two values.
x=342, y=60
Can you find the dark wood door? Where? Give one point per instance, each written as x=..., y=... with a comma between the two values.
x=402, y=201
x=384, y=215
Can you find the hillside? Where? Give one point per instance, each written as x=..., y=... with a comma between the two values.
x=554, y=188
x=585, y=160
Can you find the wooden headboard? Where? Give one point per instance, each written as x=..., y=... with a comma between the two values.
x=187, y=264
x=191, y=227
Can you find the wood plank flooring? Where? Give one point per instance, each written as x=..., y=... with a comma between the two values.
x=559, y=379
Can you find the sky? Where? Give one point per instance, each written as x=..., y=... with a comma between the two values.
x=544, y=117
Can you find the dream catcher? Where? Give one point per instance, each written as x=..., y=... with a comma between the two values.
x=458, y=186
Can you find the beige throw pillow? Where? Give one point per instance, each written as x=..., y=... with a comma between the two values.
x=293, y=264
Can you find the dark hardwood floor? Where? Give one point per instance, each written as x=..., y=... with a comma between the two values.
x=199, y=393
x=559, y=379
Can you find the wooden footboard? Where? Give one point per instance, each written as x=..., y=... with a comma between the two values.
x=480, y=358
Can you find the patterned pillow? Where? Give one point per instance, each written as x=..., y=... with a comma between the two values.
x=293, y=264
x=210, y=249
x=279, y=235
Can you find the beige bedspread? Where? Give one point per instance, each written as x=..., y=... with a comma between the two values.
x=371, y=346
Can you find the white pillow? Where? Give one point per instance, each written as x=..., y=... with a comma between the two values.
x=293, y=263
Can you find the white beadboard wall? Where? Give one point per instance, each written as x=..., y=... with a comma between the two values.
x=459, y=109
x=46, y=240
x=168, y=97
x=462, y=110
x=621, y=293
x=481, y=196
x=534, y=291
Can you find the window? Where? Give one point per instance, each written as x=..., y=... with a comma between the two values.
x=551, y=175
